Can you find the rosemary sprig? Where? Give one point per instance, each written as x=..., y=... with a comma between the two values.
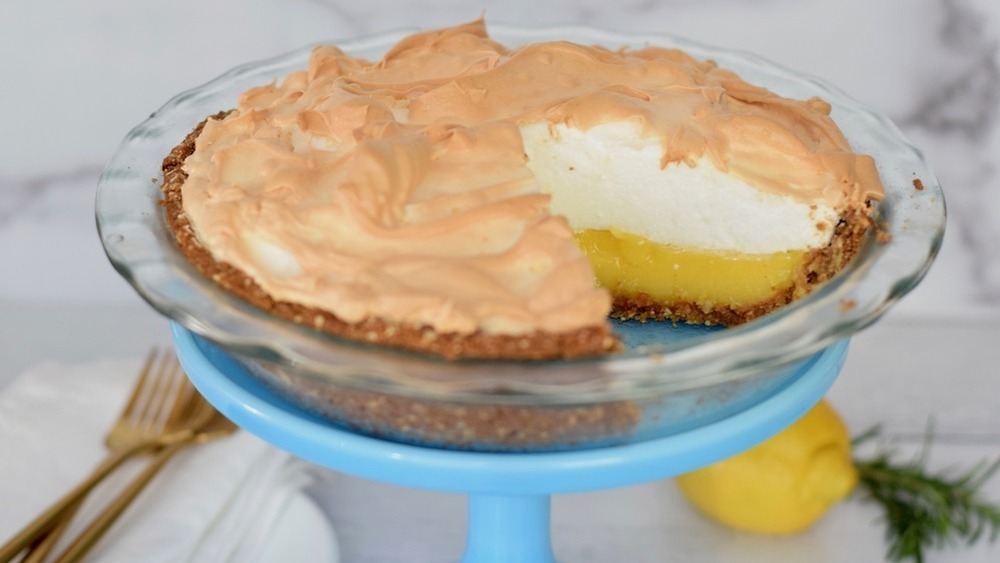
x=924, y=510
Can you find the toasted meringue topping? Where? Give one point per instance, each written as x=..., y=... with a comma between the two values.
x=399, y=189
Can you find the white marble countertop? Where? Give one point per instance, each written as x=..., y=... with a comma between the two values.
x=79, y=76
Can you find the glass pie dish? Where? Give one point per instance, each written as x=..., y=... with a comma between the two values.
x=666, y=380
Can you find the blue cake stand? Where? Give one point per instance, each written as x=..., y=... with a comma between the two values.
x=509, y=493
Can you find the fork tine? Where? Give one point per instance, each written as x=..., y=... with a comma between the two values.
x=164, y=393
x=185, y=406
x=166, y=396
x=140, y=386
x=205, y=410
x=150, y=403
x=198, y=411
x=184, y=395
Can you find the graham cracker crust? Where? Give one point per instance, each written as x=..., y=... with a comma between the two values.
x=470, y=427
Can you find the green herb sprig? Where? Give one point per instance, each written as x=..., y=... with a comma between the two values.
x=924, y=510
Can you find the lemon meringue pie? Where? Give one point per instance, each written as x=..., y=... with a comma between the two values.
x=465, y=199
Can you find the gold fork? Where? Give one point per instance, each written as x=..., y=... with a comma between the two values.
x=217, y=426
x=155, y=415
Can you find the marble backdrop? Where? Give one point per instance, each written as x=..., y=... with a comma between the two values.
x=78, y=75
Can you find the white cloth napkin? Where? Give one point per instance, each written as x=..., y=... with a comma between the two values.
x=211, y=503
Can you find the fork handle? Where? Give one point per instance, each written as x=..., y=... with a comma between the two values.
x=95, y=531
x=40, y=550
x=48, y=519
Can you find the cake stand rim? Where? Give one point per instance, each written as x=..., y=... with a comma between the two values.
x=500, y=473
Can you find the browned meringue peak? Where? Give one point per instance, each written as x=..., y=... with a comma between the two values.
x=398, y=189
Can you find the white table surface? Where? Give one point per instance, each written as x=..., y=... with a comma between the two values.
x=79, y=75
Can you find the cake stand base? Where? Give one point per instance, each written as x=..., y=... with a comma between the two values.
x=509, y=493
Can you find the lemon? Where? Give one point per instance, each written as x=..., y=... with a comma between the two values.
x=783, y=485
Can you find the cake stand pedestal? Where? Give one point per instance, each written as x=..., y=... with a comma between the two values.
x=509, y=493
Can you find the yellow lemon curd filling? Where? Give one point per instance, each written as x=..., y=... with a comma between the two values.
x=628, y=265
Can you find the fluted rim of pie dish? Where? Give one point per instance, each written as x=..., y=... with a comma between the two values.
x=132, y=229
